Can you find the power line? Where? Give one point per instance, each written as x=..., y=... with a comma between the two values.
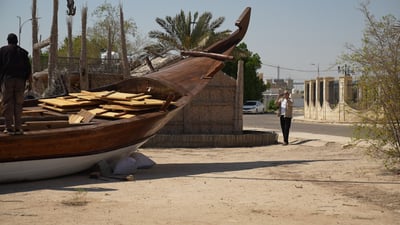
x=300, y=70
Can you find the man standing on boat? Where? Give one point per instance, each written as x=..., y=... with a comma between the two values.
x=15, y=70
x=285, y=113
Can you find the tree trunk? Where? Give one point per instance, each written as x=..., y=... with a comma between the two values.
x=41, y=44
x=125, y=63
x=84, y=77
x=53, y=44
x=109, y=47
x=70, y=45
x=35, y=31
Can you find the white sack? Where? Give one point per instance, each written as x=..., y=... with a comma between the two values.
x=143, y=162
x=125, y=166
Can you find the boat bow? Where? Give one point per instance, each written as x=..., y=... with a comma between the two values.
x=190, y=75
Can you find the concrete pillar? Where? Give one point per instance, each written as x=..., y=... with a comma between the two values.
x=307, y=99
x=317, y=98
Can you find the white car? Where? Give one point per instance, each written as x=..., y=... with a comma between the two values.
x=253, y=107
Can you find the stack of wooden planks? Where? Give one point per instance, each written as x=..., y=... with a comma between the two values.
x=109, y=104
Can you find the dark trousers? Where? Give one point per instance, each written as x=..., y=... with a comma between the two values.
x=13, y=100
x=285, y=126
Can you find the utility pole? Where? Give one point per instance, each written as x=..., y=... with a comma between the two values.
x=313, y=64
x=20, y=27
x=278, y=71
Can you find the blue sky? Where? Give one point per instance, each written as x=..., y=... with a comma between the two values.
x=293, y=34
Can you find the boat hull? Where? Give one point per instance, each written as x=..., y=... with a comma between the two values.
x=44, y=153
x=52, y=154
x=39, y=169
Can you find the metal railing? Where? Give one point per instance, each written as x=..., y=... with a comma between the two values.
x=94, y=65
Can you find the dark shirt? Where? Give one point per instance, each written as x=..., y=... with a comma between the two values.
x=14, y=62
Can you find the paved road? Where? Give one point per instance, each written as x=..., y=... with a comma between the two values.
x=271, y=122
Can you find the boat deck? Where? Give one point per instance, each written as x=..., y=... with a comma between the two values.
x=87, y=108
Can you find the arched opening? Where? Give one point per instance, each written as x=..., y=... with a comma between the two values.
x=321, y=93
x=307, y=94
x=333, y=97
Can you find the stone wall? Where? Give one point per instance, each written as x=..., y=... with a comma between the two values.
x=213, y=111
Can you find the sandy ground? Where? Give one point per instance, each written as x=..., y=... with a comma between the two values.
x=307, y=182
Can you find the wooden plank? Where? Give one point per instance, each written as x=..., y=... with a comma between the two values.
x=64, y=103
x=110, y=95
x=99, y=94
x=145, y=102
x=66, y=97
x=97, y=111
x=75, y=118
x=123, y=96
x=87, y=116
x=58, y=102
x=85, y=96
x=127, y=108
x=63, y=110
x=126, y=116
x=80, y=100
x=117, y=115
x=139, y=98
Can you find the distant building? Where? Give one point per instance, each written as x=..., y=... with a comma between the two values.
x=277, y=86
x=281, y=84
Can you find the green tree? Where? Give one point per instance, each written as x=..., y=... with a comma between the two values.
x=105, y=33
x=93, y=50
x=253, y=85
x=186, y=32
x=378, y=59
x=108, y=17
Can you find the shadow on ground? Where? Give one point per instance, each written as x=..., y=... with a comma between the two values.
x=188, y=169
x=158, y=171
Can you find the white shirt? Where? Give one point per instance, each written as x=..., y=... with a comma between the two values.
x=283, y=106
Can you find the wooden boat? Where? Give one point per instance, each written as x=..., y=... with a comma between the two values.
x=56, y=142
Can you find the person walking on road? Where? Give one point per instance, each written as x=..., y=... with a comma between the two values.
x=15, y=70
x=285, y=112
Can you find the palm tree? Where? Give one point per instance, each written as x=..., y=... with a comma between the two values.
x=35, y=31
x=186, y=32
x=125, y=64
x=84, y=78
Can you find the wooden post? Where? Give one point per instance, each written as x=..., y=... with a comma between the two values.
x=35, y=51
x=238, y=114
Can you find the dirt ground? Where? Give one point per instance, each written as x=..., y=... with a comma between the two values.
x=307, y=182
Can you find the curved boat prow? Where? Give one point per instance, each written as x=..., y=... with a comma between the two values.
x=204, y=65
x=230, y=42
